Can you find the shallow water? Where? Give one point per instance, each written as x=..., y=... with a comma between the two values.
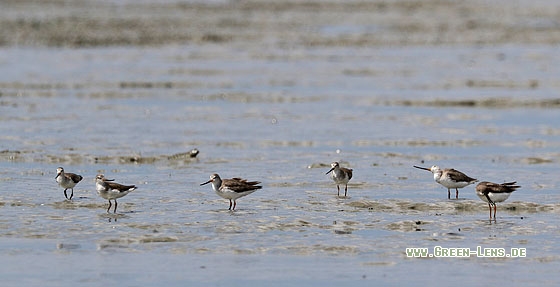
x=281, y=116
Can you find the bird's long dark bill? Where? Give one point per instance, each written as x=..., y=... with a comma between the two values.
x=330, y=170
x=422, y=168
x=109, y=179
x=206, y=182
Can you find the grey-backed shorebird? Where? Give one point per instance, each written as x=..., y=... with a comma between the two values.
x=67, y=180
x=108, y=189
x=340, y=175
x=494, y=192
x=233, y=188
x=450, y=178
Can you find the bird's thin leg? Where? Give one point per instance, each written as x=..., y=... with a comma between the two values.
x=72, y=194
x=115, y=210
x=108, y=208
x=338, y=188
x=234, y=204
x=65, y=195
x=490, y=203
x=457, y=193
x=345, y=190
x=230, y=203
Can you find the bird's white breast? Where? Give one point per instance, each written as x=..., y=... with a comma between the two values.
x=495, y=197
x=449, y=183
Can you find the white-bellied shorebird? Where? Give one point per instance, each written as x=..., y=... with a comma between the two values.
x=233, y=188
x=340, y=175
x=450, y=178
x=494, y=192
x=67, y=180
x=194, y=152
x=108, y=189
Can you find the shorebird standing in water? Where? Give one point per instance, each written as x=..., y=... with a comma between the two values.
x=233, y=188
x=450, y=178
x=340, y=175
x=493, y=192
x=111, y=190
x=67, y=180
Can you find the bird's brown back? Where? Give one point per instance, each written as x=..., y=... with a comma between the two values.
x=348, y=171
x=459, y=176
x=240, y=185
x=486, y=187
x=118, y=186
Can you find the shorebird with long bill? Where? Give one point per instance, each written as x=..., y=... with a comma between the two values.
x=494, y=192
x=233, y=188
x=450, y=178
x=340, y=175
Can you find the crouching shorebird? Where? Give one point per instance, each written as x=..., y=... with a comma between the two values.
x=340, y=175
x=450, y=178
x=493, y=192
x=232, y=189
x=67, y=180
x=108, y=189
